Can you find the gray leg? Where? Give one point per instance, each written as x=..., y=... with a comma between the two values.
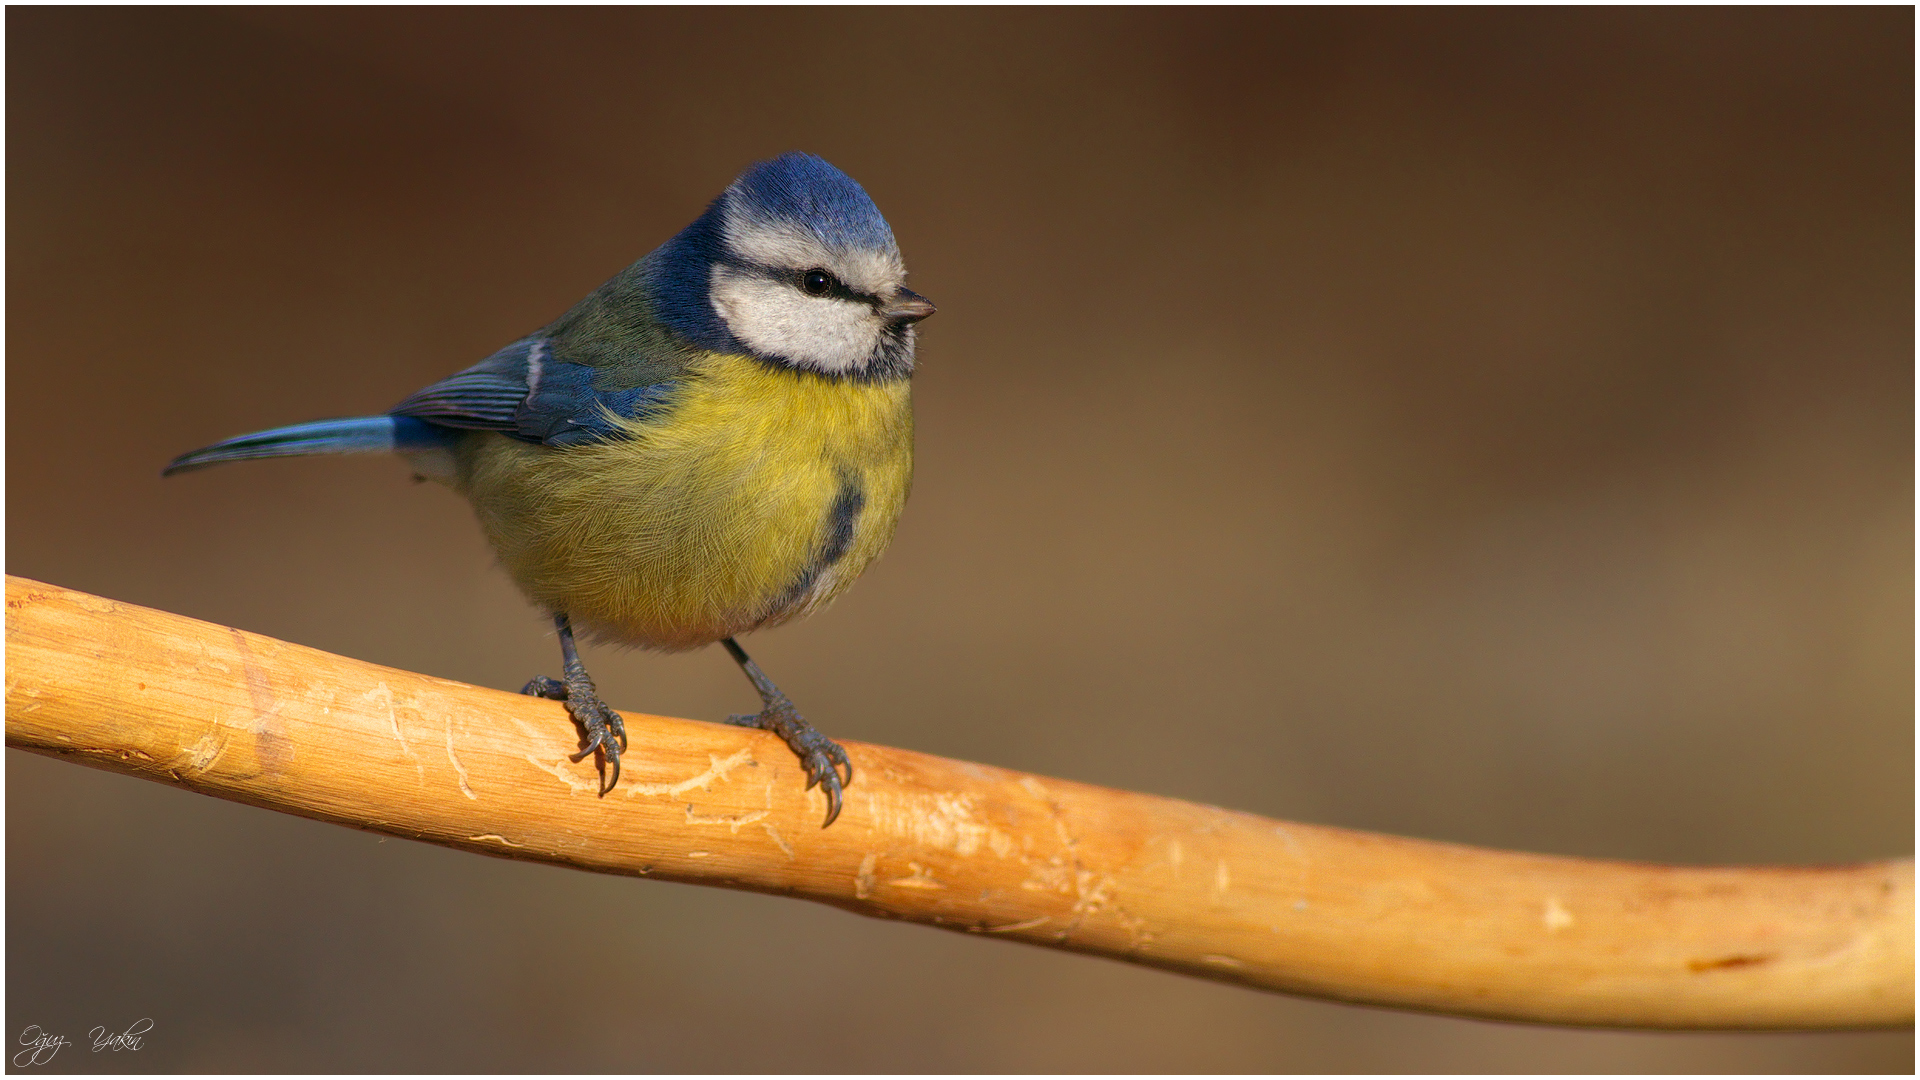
x=820, y=756
x=601, y=725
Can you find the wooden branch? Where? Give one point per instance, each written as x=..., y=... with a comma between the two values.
x=1223, y=895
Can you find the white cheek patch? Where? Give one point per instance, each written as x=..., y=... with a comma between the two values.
x=829, y=335
x=783, y=244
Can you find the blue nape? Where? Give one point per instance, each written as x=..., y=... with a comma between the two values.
x=795, y=188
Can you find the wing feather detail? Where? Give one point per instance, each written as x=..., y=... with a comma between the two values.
x=521, y=391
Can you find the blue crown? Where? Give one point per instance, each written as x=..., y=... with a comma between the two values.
x=805, y=190
x=794, y=188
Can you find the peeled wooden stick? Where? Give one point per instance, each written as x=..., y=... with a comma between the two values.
x=1298, y=908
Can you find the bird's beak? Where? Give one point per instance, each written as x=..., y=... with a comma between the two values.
x=907, y=306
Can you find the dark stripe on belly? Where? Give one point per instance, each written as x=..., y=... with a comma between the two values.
x=841, y=519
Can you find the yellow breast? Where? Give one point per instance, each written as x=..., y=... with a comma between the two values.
x=757, y=497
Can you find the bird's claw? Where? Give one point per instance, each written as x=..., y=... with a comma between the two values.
x=603, y=729
x=541, y=686
x=820, y=757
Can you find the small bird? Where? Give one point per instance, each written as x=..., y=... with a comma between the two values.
x=718, y=440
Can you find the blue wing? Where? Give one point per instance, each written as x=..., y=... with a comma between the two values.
x=523, y=392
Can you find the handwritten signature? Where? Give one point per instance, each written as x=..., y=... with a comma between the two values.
x=127, y=1040
x=40, y=1047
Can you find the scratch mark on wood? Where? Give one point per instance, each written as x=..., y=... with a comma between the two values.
x=459, y=769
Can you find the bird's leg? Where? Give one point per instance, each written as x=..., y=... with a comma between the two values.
x=600, y=723
x=820, y=756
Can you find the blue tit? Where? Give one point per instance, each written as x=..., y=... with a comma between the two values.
x=718, y=440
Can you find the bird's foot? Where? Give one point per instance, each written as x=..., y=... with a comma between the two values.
x=820, y=756
x=601, y=726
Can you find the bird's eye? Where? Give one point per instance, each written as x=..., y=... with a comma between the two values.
x=817, y=282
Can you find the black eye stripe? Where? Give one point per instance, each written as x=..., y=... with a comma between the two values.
x=797, y=278
x=807, y=281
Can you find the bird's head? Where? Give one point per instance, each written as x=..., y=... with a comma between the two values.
x=793, y=264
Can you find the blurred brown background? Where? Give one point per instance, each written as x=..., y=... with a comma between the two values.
x=1491, y=426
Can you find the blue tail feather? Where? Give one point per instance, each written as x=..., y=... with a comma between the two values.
x=354, y=435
